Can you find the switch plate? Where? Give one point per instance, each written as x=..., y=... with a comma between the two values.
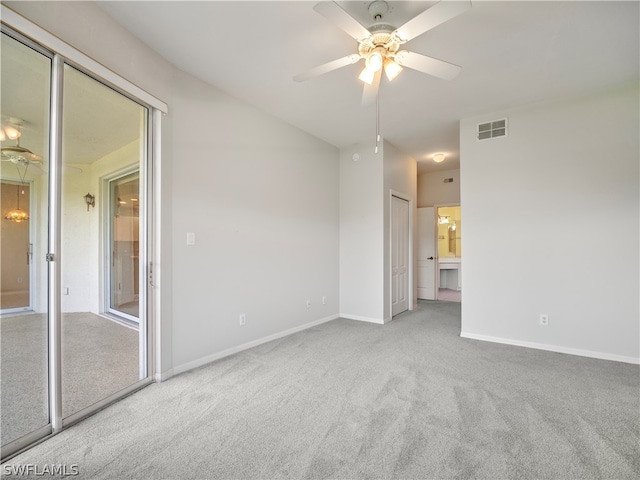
x=191, y=238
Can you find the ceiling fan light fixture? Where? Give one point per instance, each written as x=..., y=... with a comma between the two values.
x=366, y=76
x=374, y=61
x=391, y=69
x=10, y=132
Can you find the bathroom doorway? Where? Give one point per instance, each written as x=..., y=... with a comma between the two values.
x=449, y=272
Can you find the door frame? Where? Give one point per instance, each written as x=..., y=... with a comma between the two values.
x=411, y=296
x=107, y=238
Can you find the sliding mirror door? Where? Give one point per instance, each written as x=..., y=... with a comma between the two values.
x=103, y=327
x=24, y=136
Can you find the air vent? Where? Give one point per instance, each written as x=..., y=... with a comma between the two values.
x=497, y=128
x=448, y=180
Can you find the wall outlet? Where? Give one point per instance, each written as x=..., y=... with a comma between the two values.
x=544, y=319
x=308, y=303
x=243, y=319
x=324, y=300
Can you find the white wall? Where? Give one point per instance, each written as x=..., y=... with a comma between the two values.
x=362, y=234
x=400, y=177
x=262, y=199
x=433, y=191
x=365, y=196
x=539, y=206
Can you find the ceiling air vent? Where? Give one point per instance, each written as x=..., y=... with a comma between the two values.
x=497, y=128
x=448, y=180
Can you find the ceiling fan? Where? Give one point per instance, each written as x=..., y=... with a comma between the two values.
x=21, y=156
x=379, y=44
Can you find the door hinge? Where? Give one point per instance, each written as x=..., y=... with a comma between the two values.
x=50, y=257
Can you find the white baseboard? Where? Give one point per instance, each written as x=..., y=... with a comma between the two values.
x=552, y=348
x=161, y=377
x=245, y=346
x=379, y=321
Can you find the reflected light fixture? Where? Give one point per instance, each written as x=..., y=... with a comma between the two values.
x=90, y=200
x=17, y=215
x=8, y=132
x=438, y=157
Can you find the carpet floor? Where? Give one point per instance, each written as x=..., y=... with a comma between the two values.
x=99, y=358
x=350, y=400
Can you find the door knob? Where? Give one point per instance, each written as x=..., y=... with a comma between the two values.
x=430, y=258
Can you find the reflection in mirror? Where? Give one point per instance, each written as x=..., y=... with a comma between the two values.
x=103, y=139
x=449, y=232
x=24, y=388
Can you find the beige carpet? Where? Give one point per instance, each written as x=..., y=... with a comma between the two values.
x=99, y=358
x=351, y=400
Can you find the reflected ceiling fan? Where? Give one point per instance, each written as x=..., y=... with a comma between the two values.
x=379, y=44
x=21, y=156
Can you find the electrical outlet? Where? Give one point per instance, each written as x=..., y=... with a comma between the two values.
x=243, y=319
x=308, y=303
x=544, y=319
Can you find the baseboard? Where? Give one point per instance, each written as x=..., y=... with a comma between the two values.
x=379, y=321
x=245, y=346
x=553, y=348
x=161, y=377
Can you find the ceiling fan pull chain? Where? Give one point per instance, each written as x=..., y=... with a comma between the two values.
x=377, y=120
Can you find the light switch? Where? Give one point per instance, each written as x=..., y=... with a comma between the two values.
x=191, y=238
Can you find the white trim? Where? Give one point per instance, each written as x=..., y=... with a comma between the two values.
x=379, y=321
x=245, y=346
x=161, y=377
x=553, y=348
x=53, y=43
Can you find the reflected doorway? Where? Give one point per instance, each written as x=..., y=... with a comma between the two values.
x=124, y=241
x=15, y=248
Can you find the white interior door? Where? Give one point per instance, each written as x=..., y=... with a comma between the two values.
x=427, y=259
x=399, y=255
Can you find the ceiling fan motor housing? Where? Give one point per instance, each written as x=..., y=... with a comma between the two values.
x=378, y=9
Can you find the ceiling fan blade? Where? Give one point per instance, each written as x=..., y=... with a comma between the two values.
x=327, y=67
x=430, y=18
x=428, y=65
x=335, y=14
x=370, y=92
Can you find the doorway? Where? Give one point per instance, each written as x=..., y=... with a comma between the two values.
x=15, y=247
x=123, y=273
x=449, y=271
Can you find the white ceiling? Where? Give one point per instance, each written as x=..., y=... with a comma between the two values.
x=512, y=53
